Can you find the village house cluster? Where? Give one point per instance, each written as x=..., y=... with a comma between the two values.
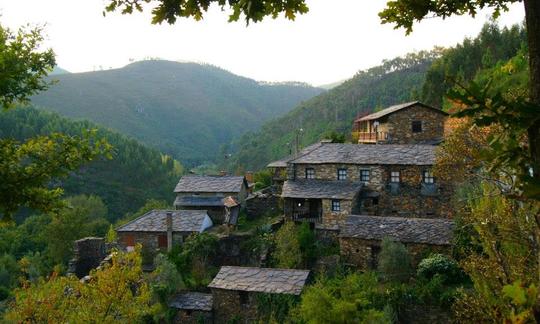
x=356, y=194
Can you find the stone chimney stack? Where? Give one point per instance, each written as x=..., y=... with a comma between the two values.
x=169, y=231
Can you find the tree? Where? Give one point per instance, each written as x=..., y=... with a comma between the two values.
x=287, y=247
x=170, y=10
x=404, y=13
x=22, y=65
x=115, y=293
x=83, y=216
x=28, y=168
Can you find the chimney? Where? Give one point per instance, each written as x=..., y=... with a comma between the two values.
x=222, y=173
x=169, y=231
x=249, y=176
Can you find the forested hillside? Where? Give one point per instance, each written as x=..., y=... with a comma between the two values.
x=135, y=173
x=392, y=82
x=423, y=76
x=186, y=110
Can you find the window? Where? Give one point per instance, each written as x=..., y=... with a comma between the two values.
x=428, y=177
x=364, y=175
x=416, y=126
x=395, y=177
x=310, y=173
x=162, y=241
x=336, y=206
x=244, y=297
x=342, y=174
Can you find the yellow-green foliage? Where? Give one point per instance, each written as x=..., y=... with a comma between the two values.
x=506, y=232
x=287, y=247
x=341, y=300
x=115, y=294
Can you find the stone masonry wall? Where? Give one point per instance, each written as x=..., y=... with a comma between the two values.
x=399, y=125
x=410, y=201
x=228, y=306
x=88, y=254
x=193, y=317
x=262, y=203
x=363, y=253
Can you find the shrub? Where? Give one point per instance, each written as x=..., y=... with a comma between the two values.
x=439, y=264
x=287, y=247
x=394, y=261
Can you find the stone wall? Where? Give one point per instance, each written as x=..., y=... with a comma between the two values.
x=410, y=200
x=364, y=253
x=87, y=255
x=216, y=214
x=263, y=203
x=234, y=306
x=399, y=125
x=193, y=317
x=332, y=219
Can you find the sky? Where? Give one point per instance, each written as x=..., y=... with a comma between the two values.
x=330, y=43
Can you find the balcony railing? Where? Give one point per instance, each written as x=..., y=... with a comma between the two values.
x=371, y=137
x=306, y=217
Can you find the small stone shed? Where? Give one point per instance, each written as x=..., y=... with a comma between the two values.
x=154, y=231
x=211, y=193
x=192, y=307
x=235, y=289
x=361, y=236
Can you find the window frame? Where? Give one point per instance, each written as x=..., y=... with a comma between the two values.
x=427, y=177
x=362, y=175
x=393, y=177
x=336, y=205
x=417, y=126
x=309, y=173
x=344, y=170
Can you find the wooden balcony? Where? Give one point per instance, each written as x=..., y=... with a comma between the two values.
x=306, y=217
x=370, y=137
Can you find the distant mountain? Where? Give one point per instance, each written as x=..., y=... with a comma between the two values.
x=58, y=70
x=186, y=110
x=329, y=86
x=135, y=174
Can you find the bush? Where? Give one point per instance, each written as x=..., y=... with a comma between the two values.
x=439, y=264
x=287, y=252
x=394, y=262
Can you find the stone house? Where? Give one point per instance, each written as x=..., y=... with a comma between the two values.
x=335, y=180
x=161, y=229
x=235, y=290
x=407, y=123
x=192, y=308
x=208, y=193
x=360, y=237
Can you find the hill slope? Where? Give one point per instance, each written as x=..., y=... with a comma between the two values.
x=136, y=173
x=394, y=81
x=186, y=110
x=423, y=76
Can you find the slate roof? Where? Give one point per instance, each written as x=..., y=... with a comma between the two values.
x=194, y=201
x=195, y=183
x=320, y=189
x=282, y=163
x=396, y=154
x=407, y=230
x=192, y=301
x=393, y=109
x=266, y=280
x=155, y=221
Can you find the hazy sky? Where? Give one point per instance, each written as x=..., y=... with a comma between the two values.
x=333, y=41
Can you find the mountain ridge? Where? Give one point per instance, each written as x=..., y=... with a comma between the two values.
x=187, y=110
